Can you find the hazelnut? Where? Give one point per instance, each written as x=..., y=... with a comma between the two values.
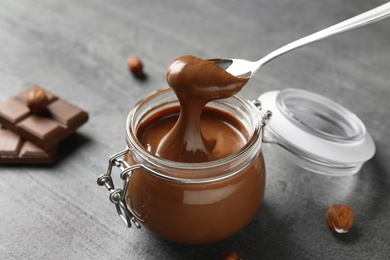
x=232, y=256
x=340, y=218
x=135, y=66
x=37, y=100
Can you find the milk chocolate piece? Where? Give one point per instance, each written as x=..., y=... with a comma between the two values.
x=13, y=111
x=15, y=150
x=46, y=129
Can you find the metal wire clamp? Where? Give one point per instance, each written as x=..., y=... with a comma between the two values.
x=117, y=196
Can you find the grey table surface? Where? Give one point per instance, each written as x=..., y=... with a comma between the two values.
x=78, y=50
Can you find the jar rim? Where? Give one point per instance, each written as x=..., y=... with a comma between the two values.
x=134, y=144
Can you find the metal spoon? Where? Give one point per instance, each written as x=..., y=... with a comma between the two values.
x=244, y=68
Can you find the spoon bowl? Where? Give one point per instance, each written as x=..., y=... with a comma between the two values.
x=244, y=68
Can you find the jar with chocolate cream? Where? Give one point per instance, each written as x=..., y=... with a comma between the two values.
x=193, y=170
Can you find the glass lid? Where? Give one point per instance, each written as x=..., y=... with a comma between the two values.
x=316, y=133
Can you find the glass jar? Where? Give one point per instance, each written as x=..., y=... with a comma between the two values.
x=196, y=203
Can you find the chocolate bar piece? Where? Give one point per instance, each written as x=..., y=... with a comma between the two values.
x=15, y=150
x=46, y=130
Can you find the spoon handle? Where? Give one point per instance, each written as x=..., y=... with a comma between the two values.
x=370, y=16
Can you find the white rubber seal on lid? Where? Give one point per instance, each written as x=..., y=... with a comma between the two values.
x=317, y=133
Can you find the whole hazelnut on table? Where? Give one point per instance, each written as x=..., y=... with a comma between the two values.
x=340, y=218
x=135, y=66
x=37, y=100
x=232, y=256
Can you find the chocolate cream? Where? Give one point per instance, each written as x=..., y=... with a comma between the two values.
x=196, y=82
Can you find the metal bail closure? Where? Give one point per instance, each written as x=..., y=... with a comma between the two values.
x=315, y=132
x=117, y=196
x=266, y=116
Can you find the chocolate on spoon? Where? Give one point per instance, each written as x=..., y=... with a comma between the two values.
x=195, y=82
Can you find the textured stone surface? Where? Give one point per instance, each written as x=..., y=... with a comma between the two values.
x=78, y=49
